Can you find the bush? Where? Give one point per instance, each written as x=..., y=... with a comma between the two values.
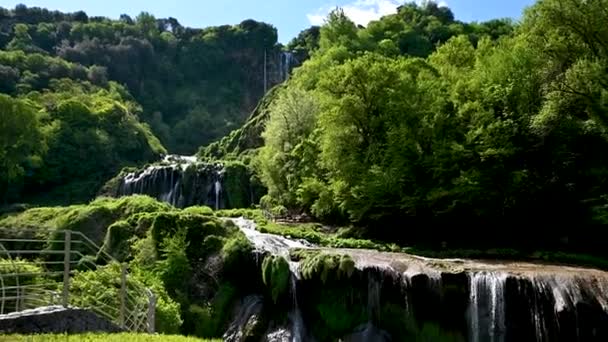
x=175, y=268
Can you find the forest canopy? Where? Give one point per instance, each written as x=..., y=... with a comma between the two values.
x=421, y=119
x=94, y=95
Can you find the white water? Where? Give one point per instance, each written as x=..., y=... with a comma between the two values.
x=262, y=242
x=286, y=60
x=218, y=191
x=164, y=182
x=487, y=306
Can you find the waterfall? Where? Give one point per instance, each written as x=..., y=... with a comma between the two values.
x=286, y=61
x=298, y=330
x=181, y=181
x=481, y=301
x=373, y=299
x=250, y=307
x=487, y=306
x=218, y=190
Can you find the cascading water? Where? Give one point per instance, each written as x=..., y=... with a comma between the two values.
x=179, y=180
x=250, y=307
x=297, y=322
x=218, y=191
x=483, y=302
x=487, y=306
x=277, y=245
x=286, y=61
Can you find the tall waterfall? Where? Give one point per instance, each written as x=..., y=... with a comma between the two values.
x=483, y=302
x=286, y=61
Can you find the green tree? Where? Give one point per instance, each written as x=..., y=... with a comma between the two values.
x=285, y=158
x=21, y=140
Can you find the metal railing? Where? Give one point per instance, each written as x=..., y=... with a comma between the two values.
x=42, y=268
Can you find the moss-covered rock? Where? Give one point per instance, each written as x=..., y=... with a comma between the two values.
x=327, y=267
x=275, y=274
x=117, y=242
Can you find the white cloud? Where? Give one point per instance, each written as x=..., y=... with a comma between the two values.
x=361, y=12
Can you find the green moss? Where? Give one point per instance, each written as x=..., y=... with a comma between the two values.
x=339, y=313
x=314, y=233
x=275, y=275
x=432, y=332
x=199, y=210
x=327, y=267
x=236, y=185
x=235, y=250
x=111, y=187
x=118, y=240
x=197, y=228
x=212, y=245
x=211, y=320
x=36, y=218
x=251, y=214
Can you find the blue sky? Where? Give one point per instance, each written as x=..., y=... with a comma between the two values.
x=289, y=16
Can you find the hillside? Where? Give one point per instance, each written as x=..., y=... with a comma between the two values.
x=137, y=88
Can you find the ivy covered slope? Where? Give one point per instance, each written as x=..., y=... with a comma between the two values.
x=500, y=126
x=193, y=261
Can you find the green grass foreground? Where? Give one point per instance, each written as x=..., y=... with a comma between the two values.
x=100, y=337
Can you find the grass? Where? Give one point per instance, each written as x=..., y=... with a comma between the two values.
x=99, y=338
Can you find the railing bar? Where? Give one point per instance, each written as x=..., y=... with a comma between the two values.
x=20, y=297
x=30, y=240
x=50, y=230
x=31, y=286
x=35, y=299
x=103, y=313
x=131, y=295
x=97, y=248
x=29, y=274
x=35, y=252
x=97, y=305
x=40, y=263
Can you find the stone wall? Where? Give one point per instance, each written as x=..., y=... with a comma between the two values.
x=55, y=319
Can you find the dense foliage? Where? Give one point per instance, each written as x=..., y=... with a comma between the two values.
x=499, y=125
x=94, y=95
x=191, y=260
x=195, y=85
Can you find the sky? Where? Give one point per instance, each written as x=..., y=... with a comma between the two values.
x=288, y=16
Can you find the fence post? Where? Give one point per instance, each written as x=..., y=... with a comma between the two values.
x=151, y=312
x=66, y=268
x=123, y=295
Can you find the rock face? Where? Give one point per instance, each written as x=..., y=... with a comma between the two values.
x=55, y=319
x=249, y=322
x=400, y=297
